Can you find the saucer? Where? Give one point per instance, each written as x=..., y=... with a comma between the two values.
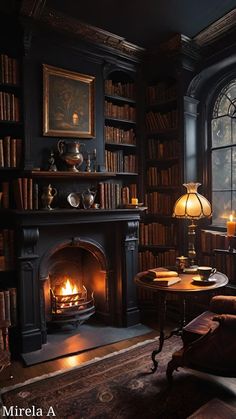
x=198, y=280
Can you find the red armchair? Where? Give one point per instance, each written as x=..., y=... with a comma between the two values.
x=209, y=341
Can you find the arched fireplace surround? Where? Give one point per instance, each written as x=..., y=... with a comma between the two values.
x=104, y=247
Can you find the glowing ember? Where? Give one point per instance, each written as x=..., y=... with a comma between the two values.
x=68, y=288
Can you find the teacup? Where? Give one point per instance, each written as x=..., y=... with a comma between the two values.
x=205, y=272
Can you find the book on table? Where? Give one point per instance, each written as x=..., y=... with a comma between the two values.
x=162, y=276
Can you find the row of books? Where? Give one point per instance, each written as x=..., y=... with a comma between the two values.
x=8, y=306
x=157, y=234
x=148, y=259
x=126, y=112
x=117, y=161
x=160, y=92
x=7, y=251
x=21, y=194
x=156, y=121
x=9, y=70
x=163, y=177
x=10, y=152
x=113, y=195
x=118, y=135
x=211, y=240
x=9, y=107
x=160, y=203
x=159, y=149
x=120, y=89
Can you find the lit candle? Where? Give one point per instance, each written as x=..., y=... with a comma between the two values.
x=231, y=226
x=134, y=201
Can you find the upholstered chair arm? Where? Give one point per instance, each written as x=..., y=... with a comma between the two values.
x=226, y=320
x=223, y=304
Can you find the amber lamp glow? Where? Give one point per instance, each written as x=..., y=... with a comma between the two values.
x=192, y=206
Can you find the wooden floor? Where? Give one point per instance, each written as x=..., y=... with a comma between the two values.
x=18, y=373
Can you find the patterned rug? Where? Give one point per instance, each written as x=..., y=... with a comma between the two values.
x=118, y=386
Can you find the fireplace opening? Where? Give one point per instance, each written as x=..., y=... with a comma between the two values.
x=75, y=288
x=70, y=304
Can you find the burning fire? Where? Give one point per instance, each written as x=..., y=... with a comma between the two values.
x=68, y=288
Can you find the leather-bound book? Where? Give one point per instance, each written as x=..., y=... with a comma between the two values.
x=5, y=194
x=7, y=151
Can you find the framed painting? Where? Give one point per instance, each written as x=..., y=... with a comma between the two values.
x=68, y=103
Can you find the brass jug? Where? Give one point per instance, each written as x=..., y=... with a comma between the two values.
x=70, y=153
x=88, y=198
x=47, y=197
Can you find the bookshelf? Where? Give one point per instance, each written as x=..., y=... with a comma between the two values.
x=214, y=252
x=11, y=161
x=158, y=232
x=120, y=138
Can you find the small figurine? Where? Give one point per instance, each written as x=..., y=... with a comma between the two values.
x=88, y=164
x=51, y=161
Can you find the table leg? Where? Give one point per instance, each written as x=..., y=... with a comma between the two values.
x=162, y=316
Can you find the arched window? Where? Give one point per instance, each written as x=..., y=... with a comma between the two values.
x=223, y=154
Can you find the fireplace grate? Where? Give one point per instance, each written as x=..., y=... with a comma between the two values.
x=73, y=308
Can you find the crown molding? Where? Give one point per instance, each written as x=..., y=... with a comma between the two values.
x=216, y=30
x=38, y=10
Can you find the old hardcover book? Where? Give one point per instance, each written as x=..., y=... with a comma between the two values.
x=7, y=306
x=7, y=151
x=2, y=307
x=166, y=282
x=1, y=154
x=13, y=152
x=18, y=195
x=5, y=195
x=162, y=273
x=13, y=305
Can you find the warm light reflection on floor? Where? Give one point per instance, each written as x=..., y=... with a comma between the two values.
x=73, y=361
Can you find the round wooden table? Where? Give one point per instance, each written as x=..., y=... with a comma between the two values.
x=184, y=289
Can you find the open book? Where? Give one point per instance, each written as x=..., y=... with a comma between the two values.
x=163, y=276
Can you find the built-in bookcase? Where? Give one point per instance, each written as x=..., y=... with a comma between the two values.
x=120, y=136
x=158, y=232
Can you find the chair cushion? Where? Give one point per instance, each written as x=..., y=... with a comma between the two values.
x=199, y=327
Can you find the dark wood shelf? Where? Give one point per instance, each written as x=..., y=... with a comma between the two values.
x=10, y=122
x=162, y=104
x=120, y=98
x=126, y=174
x=123, y=121
x=156, y=246
x=9, y=86
x=70, y=175
x=119, y=145
x=164, y=161
x=163, y=132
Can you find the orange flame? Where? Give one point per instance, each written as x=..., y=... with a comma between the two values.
x=68, y=288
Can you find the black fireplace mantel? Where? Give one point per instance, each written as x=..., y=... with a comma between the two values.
x=73, y=216
x=39, y=232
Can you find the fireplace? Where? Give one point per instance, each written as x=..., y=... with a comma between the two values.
x=96, y=251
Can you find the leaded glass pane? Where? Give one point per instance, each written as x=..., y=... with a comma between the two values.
x=234, y=203
x=231, y=90
x=224, y=105
x=221, y=131
x=234, y=131
x=234, y=168
x=221, y=169
x=221, y=207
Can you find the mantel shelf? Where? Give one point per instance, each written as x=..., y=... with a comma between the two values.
x=64, y=174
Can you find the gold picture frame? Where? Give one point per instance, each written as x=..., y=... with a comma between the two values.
x=68, y=103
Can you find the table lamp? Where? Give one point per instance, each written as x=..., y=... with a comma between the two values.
x=192, y=206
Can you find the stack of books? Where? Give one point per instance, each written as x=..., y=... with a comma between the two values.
x=162, y=276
